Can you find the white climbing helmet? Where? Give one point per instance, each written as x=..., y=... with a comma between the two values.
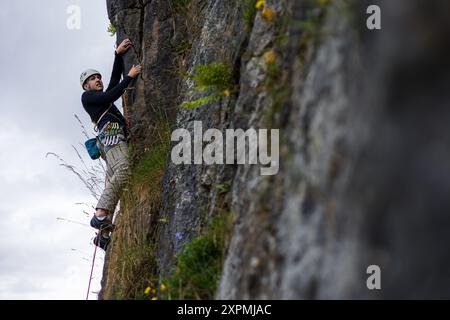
x=86, y=74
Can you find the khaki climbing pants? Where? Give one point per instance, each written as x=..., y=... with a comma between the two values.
x=117, y=175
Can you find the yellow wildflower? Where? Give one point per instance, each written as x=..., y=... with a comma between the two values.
x=163, y=220
x=323, y=2
x=268, y=14
x=147, y=290
x=270, y=57
x=162, y=287
x=260, y=4
x=226, y=93
x=155, y=298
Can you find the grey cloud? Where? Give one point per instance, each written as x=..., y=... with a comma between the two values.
x=40, y=94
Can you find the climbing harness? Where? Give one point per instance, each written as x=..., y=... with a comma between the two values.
x=101, y=117
x=111, y=134
x=92, y=144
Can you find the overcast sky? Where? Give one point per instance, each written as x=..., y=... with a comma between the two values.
x=42, y=256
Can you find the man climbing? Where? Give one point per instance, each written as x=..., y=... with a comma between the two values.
x=113, y=136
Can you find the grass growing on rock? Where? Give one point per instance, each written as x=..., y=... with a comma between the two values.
x=179, y=4
x=132, y=256
x=249, y=12
x=151, y=166
x=199, y=265
x=111, y=30
x=135, y=263
x=277, y=83
x=215, y=78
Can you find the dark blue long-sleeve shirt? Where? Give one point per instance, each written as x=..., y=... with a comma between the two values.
x=97, y=102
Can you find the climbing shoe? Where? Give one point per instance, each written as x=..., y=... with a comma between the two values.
x=102, y=225
x=101, y=241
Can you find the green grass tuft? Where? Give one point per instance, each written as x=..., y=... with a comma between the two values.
x=201, y=101
x=213, y=76
x=150, y=166
x=216, y=78
x=224, y=187
x=179, y=4
x=111, y=30
x=134, y=264
x=198, y=269
x=249, y=12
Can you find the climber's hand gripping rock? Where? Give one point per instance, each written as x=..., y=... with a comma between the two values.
x=135, y=70
x=124, y=46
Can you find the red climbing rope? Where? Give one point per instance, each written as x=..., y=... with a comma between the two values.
x=92, y=270
x=125, y=107
x=93, y=258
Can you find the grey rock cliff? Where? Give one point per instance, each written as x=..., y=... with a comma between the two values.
x=364, y=135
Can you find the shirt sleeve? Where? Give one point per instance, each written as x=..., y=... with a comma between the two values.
x=116, y=71
x=107, y=97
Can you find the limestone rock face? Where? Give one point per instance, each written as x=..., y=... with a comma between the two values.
x=363, y=119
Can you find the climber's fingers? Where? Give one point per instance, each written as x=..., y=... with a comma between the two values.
x=138, y=68
x=135, y=70
x=124, y=45
x=126, y=42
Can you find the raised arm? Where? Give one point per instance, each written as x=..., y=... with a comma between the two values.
x=116, y=72
x=93, y=97
x=118, y=63
x=101, y=98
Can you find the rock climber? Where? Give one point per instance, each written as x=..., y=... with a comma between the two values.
x=112, y=137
